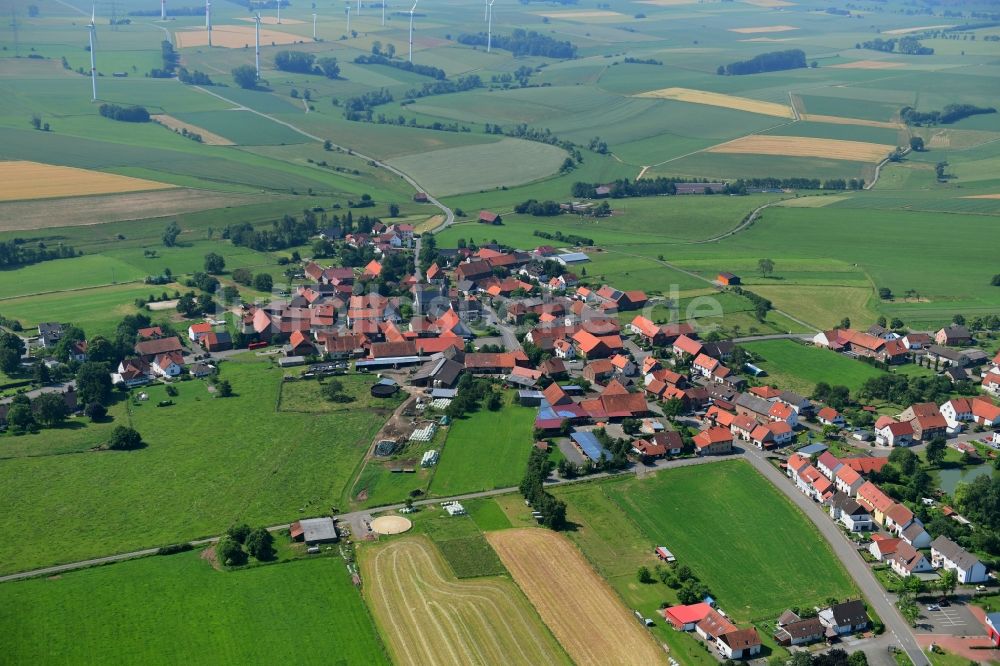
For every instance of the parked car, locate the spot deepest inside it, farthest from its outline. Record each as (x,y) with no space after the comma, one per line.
(933,607)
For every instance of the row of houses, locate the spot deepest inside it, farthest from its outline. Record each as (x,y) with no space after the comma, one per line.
(713,627)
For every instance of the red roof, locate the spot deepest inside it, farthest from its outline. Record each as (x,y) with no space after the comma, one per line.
(487,216)
(715,435)
(435,345)
(682,615)
(827,414)
(866,464)
(687,345)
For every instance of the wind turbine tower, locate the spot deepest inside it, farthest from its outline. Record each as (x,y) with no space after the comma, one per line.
(383,12)
(279,12)
(208,20)
(359,7)
(489,25)
(314,21)
(163,10)
(92,29)
(412,9)
(256,21)
(486,11)
(348,5)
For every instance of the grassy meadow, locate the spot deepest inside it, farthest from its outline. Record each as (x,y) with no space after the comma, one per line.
(181,609)
(208,462)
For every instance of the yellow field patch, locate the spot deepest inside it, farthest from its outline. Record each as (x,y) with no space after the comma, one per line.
(905,31)
(813,202)
(869,64)
(580,608)
(800,146)
(719,99)
(763,28)
(769,3)
(570,15)
(233,37)
(208,138)
(34,180)
(982,196)
(270,20)
(671,3)
(428,617)
(840,120)
(769,39)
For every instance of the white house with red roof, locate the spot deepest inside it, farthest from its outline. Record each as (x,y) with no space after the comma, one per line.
(828,464)
(847,480)
(890,432)
(991,382)
(830,416)
(985,413)
(195,331)
(957,411)
(704,365)
(685,345)
(783,412)
(770,435)
(170,364)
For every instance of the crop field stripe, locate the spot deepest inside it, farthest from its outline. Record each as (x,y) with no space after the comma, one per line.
(22,179)
(797,146)
(208,138)
(763,29)
(430,619)
(839,120)
(720,99)
(590,622)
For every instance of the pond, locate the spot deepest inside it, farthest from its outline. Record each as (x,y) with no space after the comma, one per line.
(948,479)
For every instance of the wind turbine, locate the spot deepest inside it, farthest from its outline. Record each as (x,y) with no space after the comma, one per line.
(359,7)
(314,21)
(383,12)
(486,11)
(412,9)
(163,10)
(92,28)
(348,5)
(489,24)
(279,12)
(256,20)
(208,20)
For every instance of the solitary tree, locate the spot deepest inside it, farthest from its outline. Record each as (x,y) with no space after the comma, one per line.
(935,451)
(224,389)
(245,76)
(916,144)
(124,438)
(230,553)
(215,263)
(766,267)
(50,409)
(329,67)
(93,383)
(948,581)
(263,282)
(95,411)
(171,233)
(260,544)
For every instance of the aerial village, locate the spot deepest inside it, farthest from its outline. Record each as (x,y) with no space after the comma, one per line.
(612,389)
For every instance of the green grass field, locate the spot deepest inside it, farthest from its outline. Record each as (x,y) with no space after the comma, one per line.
(485,450)
(761,533)
(208,463)
(305,396)
(180,609)
(798,367)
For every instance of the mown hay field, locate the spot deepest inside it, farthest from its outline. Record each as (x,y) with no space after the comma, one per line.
(720,99)
(797,146)
(22,179)
(579,607)
(763,29)
(840,120)
(208,138)
(869,64)
(427,617)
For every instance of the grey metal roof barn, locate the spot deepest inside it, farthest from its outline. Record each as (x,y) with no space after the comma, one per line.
(314,530)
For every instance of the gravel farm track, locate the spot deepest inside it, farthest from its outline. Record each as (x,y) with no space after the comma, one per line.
(428,617)
(591,623)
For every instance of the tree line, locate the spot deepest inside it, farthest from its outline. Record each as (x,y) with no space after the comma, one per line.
(16,253)
(906,45)
(287,232)
(306,63)
(774,61)
(170,61)
(532,489)
(405,65)
(571,239)
(951,113)
(523,42)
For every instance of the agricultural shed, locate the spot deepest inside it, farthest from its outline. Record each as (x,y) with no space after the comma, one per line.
(568,258)
(314,530)
(588,443)
(812,450)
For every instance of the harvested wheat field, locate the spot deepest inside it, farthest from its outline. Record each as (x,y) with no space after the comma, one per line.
(594,14)
(233,37)
(208,138)
(906,31)
(770,40)
(982,196)
(673,3)
(579,607)
(427,617)
(720,99)
(869,64)
(813,202)
(763,28)
(98,209)
(840,120)
(800,146)
(34,180)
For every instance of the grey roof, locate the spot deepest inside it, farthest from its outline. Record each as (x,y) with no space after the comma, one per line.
(812,449)
(805,628)
(571,257)
(443,393)
(792,398)
(944,352)
(753,403)
(850,613)
(913,531)
(847,504)
(318,529)
(956,331)
(962,558)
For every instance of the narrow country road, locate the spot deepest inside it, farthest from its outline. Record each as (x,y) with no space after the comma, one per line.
(449,214)
(847,553)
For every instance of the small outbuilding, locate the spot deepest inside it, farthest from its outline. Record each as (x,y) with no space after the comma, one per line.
(728,279)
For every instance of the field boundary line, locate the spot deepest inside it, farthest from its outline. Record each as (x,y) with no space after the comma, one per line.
(67,291)
(449,213)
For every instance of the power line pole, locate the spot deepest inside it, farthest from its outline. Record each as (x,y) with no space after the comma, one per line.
(15,27)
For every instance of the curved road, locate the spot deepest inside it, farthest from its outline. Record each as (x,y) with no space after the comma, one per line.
(449,214)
